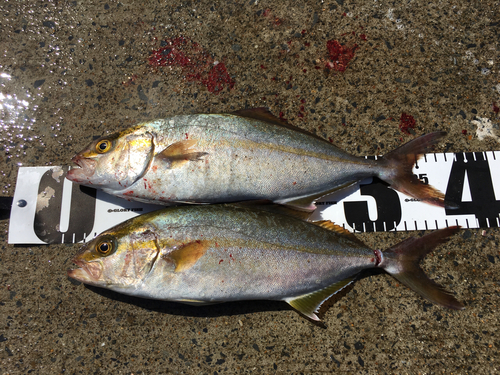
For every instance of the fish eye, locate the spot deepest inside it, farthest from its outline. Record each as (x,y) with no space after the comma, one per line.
(104,247)
(103,146)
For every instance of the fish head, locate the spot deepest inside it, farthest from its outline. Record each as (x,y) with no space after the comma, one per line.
(118,259)
(115,161)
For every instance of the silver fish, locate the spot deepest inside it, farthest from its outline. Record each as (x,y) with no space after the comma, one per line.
(250,155)
(210,254)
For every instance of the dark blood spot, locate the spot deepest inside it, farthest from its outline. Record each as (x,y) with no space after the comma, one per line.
(300,114)
(339,55)
(362,36)
(406,122)
(263,67)
(220,261)
(464,132)
(495,108)
(303,32)
(196,64)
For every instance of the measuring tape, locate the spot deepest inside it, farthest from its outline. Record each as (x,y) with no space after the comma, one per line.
(47,208)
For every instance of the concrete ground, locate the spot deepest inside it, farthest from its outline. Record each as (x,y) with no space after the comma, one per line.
(72,70)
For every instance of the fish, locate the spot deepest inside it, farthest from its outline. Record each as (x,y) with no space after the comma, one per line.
(204,254)
(246,155)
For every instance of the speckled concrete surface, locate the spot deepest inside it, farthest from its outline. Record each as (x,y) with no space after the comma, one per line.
(75,69)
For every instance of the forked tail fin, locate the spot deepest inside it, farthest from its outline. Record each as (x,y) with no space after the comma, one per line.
(402,262)
(399,172)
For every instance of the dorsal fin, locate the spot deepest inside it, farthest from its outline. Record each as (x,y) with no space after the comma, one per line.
(309,304)
(327,224)
(269,206)
(263,114)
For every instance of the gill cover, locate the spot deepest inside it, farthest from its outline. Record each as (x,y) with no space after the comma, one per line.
(121,159)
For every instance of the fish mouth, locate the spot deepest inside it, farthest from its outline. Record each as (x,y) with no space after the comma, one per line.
(83,171)
(88,273)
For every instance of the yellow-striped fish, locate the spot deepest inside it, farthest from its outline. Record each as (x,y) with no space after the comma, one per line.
(220,253)
(249,155)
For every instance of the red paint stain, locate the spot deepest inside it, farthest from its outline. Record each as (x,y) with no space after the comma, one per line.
(196,63)
(406,122)
(339,55)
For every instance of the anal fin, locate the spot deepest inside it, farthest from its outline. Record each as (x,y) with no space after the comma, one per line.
(306,202)
(309,304)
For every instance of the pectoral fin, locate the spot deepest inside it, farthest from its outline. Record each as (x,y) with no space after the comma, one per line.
(179,153)
(309,304)
(187,255)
